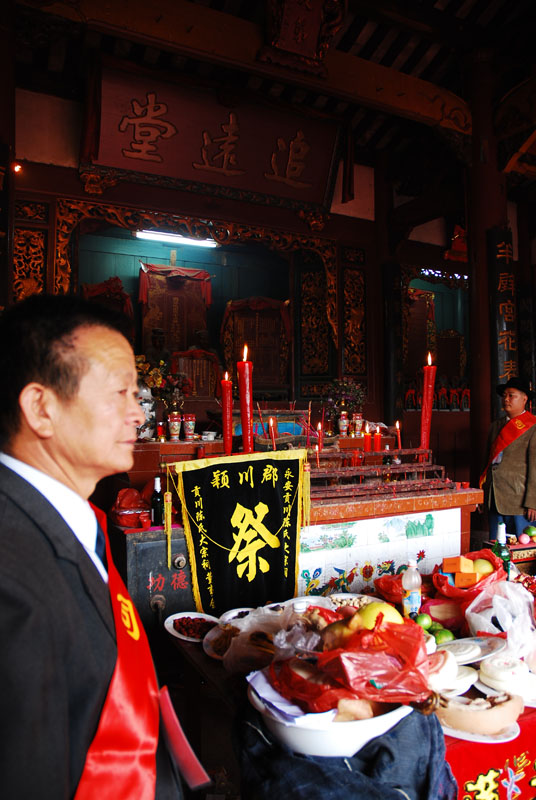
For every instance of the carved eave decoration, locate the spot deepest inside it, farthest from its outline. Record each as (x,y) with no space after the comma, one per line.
(70,213)
(299,34)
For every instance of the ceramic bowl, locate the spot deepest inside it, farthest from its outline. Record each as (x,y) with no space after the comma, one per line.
(337,739)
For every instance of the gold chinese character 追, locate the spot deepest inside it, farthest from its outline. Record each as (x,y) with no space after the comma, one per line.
(291,171)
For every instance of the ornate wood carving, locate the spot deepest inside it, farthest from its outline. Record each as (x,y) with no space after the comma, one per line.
(29,262)
(314,325)
(31,211)
(355,354)
(300,33)
(70,213)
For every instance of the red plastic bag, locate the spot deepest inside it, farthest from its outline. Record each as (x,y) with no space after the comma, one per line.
(130,510)
(388,664)
(317,694)
(442,585)
(390,587)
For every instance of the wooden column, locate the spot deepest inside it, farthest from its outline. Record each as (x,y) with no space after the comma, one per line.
(486,209)
(7,148)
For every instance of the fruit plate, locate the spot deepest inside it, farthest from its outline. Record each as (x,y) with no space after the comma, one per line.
(507,735)
(339,599)
(473,648)
(183,615)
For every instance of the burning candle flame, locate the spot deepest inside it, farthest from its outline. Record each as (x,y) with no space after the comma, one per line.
(270,422)
(377,428)
(245,353)
(397,425)
(429,359)
(226,378)
(366,428)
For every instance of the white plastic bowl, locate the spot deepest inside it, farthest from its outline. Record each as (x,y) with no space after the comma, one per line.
(338,739)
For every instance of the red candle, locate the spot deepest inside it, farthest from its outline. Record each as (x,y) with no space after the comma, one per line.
(377,439)
(366,439)
(320,437)
(427,402)
(398,435)
(245,390)
(227,414)
(317,457)
(272,432)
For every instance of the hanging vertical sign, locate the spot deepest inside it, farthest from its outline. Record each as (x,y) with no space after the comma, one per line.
(500,252)
(242,516)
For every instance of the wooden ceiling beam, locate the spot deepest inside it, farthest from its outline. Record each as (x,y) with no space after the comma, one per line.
(208,35)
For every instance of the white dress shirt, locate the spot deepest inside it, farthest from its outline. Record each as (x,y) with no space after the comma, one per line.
(76,511)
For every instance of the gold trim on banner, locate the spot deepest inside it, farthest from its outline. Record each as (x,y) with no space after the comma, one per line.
(189,466)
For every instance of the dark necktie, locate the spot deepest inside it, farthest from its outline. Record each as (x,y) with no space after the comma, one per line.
(100,545)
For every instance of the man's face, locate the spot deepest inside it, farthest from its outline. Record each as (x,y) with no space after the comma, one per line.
(95,432)
(513,402)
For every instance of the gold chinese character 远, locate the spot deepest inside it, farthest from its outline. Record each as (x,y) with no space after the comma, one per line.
(225,153)
(148,128)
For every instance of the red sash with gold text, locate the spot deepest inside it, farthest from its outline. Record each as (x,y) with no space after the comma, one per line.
(121,760)
(513,429)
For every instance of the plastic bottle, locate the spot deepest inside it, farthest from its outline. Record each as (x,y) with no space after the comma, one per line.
(157,504)
(500,548)
(411,584)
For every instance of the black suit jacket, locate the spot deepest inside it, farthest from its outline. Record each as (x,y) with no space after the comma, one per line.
(58,651)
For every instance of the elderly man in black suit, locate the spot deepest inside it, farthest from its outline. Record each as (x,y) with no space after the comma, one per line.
(79,714)
(509,478)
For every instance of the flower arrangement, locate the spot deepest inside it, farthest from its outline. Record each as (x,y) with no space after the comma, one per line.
(164,384)
(346,394)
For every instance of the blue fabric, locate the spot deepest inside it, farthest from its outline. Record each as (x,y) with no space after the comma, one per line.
(407,761)
(515,523)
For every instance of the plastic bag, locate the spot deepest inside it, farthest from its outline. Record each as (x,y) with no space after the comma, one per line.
(130,510)
(505,608)
(390,587)
(388,664)
(442,585)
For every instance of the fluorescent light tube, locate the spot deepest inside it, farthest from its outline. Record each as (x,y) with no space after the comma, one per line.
(174,238)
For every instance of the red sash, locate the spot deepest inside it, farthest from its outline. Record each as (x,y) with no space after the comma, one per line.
(513,429)
(121,760)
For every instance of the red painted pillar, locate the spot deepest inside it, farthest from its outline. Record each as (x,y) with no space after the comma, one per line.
(486,209)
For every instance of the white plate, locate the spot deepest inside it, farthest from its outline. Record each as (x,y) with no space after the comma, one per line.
(466,677)
(474,648)
(528,695)
(348,596)
(510,733)
(168,624)
(233,613)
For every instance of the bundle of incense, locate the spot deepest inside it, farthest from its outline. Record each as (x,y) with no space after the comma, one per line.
(262,424)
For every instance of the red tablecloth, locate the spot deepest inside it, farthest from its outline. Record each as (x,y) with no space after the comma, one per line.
(500,771)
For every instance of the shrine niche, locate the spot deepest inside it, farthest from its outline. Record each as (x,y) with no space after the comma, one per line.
(263,325)
(174,299)
(435,321)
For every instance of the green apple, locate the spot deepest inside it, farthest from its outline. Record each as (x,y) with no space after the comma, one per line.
(424,620)
(443,636)
(530,529)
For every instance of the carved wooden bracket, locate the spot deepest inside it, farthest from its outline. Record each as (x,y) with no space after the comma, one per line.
(300,33)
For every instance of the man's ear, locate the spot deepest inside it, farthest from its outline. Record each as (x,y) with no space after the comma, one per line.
(37,404)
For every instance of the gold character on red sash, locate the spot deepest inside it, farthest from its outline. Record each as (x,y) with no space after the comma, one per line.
(128,617)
